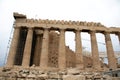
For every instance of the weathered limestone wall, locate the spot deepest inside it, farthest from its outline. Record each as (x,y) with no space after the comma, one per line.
(70,58)
(88,61)
(53,49)
(53,52)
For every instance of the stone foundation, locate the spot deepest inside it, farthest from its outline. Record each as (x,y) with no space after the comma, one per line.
(51,74)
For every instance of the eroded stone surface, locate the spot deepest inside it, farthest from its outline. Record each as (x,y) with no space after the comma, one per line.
(35,74)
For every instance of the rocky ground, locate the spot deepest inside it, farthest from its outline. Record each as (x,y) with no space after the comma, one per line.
(51,74)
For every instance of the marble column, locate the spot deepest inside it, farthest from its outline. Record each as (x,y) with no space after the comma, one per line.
(78,50)
(44,51)
(13,48)
(36,58)
(110,53)
(62,50)
(27,49)
(95,53)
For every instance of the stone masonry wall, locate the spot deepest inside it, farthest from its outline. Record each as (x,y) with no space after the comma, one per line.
(53,52)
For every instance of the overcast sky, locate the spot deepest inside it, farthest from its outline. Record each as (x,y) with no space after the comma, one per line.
(105,11)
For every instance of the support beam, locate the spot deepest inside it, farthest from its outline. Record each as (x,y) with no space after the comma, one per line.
(78,50)
(13,48)
(112,62)
(27,49)
(44,52)
(95,53)
(62,50)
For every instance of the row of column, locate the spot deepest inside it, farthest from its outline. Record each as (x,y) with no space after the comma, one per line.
(28,46)
(79,56)
(112,62)
(62,50)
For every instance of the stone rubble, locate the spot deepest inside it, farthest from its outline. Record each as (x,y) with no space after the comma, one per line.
(34,74)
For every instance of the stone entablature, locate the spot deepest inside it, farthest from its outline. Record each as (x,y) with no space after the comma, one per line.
(61,24)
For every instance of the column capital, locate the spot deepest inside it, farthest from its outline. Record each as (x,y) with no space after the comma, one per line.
(17,27)
(30,28)
(62,30)
(46,29)
(39,32)
(107,36)
(117,33)
(106,32)
(77,30)
(92,31)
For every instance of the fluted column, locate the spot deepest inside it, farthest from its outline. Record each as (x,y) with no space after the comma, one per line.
(78,50)
(13,47)
(95,53)
(44,51)
(110,53)
(27,49)
(62,50)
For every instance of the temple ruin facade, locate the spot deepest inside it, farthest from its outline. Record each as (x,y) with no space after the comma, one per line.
(42,43)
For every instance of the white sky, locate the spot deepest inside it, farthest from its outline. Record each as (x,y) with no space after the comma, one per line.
(105,11)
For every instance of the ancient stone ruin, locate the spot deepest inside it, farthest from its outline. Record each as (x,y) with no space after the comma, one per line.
(38,51)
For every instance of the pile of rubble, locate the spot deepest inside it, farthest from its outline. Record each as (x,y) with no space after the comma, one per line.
(35,74)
